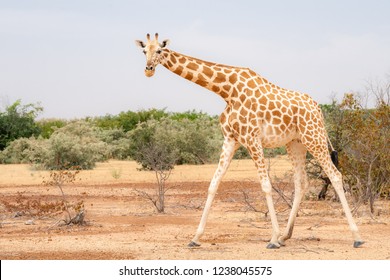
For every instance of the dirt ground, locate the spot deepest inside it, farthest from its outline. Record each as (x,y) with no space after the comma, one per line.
(120,224)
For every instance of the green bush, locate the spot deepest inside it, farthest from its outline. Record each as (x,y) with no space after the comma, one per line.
(25,150)
(129,120)
(75,145)
(118,143)
(18,121)
(153,145)
(48,126)
(199,141)
(361,137)
(67,151)
(195,137)
(196,142)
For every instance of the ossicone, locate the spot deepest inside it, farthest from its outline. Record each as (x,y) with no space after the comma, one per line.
(141,44)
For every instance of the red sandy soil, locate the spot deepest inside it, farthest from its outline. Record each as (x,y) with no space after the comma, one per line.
(120,224)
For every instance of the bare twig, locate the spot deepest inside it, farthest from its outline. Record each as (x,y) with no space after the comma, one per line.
(247,201)
(283,196)
(58,179)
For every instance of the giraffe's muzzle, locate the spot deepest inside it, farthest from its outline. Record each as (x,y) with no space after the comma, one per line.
(149,71)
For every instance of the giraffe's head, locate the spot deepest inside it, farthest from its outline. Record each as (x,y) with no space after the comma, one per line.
(152,50)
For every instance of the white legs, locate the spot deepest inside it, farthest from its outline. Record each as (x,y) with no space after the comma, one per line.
(228,150)
(337,183)
(267,188)
(229,147)
(297,154)
(323,158)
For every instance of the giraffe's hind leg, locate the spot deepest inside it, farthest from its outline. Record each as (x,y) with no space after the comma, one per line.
(337,182)
(297,153)
(321,154)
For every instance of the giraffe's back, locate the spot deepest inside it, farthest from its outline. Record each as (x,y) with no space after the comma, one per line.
(273,114)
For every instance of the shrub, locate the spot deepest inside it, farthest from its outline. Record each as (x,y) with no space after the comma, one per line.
(152,140)
(199,141)
(18,121)
(196,142)
(76,144)
(360,135)
(155,149)
(75,210)
(25,150)
(364,158)
(129,120)
(48,126)
(118,143)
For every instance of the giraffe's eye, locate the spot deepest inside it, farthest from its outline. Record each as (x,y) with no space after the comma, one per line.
(158,51)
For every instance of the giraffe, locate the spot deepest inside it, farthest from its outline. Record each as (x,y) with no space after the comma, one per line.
(258,114)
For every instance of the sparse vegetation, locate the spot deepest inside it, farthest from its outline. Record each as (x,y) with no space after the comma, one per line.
(196,136)
(33,207)
(76,144)
(75,210)
(41,206)
(159,140)
(18,121)
(361,136)
(155,150)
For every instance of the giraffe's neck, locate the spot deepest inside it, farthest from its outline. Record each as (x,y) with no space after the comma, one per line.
(215,77)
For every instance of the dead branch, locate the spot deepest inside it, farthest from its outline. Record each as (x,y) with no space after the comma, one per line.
(283,196)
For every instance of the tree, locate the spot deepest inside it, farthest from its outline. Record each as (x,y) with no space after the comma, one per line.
(48,126)
(199,141)
(129,120)
(59,179)
(18,121)
(360,135)
(154,148)
(118,143)
(365,157)
(160,159)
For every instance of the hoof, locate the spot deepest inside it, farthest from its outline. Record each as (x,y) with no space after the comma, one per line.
(273,246)
(282,242)
(193,244)
(357,244)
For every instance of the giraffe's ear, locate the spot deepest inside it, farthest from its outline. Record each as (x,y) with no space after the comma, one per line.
(164,43)
(140,44)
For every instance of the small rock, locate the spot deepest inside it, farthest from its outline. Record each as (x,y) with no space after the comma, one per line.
(17,214)
(29,222)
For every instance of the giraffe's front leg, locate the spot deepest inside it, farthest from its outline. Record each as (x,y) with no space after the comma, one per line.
(256,151)
(267,188)
(229,147)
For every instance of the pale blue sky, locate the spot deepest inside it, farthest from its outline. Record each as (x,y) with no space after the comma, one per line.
(78,58)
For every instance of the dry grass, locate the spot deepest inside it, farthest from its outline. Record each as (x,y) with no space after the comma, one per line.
(114,171)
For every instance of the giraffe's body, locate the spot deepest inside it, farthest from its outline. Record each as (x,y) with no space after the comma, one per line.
(255,107)
(258,115)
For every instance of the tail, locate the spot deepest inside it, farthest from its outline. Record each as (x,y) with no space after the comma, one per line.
(333,154)
(335,158)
